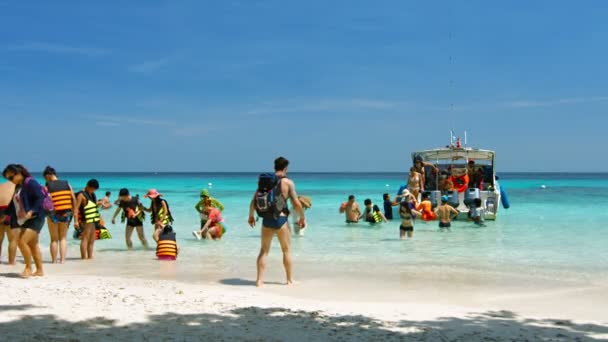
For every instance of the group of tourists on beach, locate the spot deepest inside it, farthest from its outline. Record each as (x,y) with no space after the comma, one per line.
(28,205)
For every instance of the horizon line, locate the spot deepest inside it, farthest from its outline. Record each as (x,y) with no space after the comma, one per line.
(314,172)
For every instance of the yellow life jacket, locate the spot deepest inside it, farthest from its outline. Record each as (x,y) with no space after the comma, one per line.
(164,218)
(377,217)
(90,212)
(103,234)
(61,195)
(159,214)
(167,246)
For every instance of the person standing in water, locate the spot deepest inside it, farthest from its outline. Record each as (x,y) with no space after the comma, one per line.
(161,214)
(408,215)
(27,215)
(134,215)
(58,222)
(270,202)
(445,213)
(372,213)
(88,218)
(351,210)
(388,206)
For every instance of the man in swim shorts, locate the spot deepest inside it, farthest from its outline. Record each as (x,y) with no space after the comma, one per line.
(445,213)
(278,226)
(351,210)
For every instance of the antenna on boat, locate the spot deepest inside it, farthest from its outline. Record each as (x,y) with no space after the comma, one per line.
(465,138)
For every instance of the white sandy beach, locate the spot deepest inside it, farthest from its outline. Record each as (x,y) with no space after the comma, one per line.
(67,306)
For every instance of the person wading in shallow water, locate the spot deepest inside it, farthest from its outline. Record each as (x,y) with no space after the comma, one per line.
(270,203)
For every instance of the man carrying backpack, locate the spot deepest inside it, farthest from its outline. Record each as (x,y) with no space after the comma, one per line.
(270,203)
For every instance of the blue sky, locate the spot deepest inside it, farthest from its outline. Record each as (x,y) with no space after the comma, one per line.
(332,85)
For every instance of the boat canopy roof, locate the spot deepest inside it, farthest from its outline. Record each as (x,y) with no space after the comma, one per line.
(455,154)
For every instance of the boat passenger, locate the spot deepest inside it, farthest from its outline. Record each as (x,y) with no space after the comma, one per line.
(428,171)
(476,175)
(415,182)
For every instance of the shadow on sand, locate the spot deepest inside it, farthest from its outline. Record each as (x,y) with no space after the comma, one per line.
(276,324)
(10,275)
(246,282)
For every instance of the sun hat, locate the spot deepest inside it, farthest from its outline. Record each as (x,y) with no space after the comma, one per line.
(405,193)
(153,193)
(306,202)
(205,193)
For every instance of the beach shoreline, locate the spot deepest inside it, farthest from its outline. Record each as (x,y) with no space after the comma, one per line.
(66,305)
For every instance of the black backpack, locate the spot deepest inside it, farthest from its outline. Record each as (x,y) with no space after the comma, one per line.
(269,202)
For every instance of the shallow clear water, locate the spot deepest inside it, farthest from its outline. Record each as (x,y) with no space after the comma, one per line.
(559,232)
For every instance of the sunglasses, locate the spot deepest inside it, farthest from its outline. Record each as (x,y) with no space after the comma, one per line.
(10,178)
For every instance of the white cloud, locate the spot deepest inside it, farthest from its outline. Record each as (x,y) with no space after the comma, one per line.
(149,66)
(58,49)
(555,102)
(107,124)
(324,105)
(191,131)
(104,120)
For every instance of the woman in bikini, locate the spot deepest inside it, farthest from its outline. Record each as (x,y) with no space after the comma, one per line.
(415,183)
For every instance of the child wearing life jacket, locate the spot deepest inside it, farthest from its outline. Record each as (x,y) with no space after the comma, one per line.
(372,213)
(166,248)
(214,228)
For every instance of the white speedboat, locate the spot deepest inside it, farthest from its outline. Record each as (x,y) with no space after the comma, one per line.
(463,174)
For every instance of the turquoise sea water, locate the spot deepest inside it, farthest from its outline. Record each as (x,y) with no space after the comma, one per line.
(559,231)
